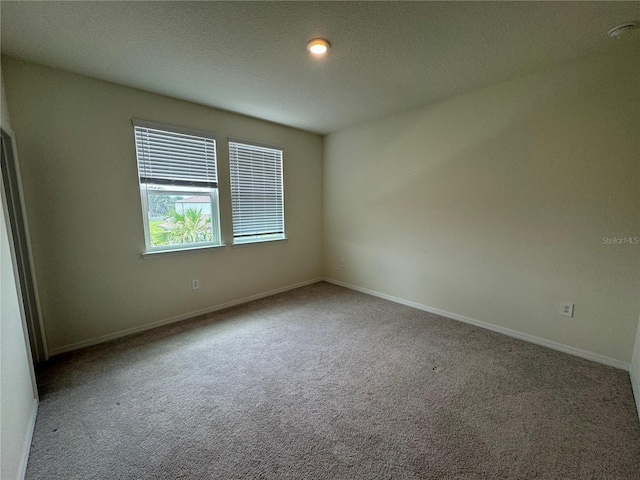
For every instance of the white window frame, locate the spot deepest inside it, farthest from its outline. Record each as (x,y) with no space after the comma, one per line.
(242,237)
(211,192)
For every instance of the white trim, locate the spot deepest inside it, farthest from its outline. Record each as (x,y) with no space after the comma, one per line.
(172,128)
(180,251)
(26,445)
(253,143)
(633,375)
(258,242)
(27,234)
(611,362)
(16,279)
(178,318)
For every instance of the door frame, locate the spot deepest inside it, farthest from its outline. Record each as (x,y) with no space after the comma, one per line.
(20,244)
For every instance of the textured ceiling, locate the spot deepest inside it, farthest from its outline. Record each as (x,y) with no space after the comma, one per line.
(250,57)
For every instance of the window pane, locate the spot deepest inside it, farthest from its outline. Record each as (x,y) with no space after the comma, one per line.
(178,185)
(181,218)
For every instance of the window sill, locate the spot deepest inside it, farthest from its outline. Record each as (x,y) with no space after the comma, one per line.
(257,242)
(180,251)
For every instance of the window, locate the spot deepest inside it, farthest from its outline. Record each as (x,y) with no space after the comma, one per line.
(178,187)
(257,198)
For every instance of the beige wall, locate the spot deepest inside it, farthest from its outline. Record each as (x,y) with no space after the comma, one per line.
(17,394)
(77,155)
(493,205)
(490,205)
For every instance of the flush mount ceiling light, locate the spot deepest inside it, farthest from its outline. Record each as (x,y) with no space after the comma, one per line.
(318,46)
(617,32)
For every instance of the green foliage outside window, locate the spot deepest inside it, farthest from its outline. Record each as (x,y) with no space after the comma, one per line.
(160,206)
(192,226)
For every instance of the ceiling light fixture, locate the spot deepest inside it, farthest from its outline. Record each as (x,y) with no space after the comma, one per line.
(318,46)
(617,32)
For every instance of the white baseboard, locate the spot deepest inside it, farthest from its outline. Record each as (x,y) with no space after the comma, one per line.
(178,318)
(633,374)
(495,328)
(26,446)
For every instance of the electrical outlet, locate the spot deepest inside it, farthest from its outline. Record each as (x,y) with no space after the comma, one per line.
(195,284)
(566,309)
(342,263)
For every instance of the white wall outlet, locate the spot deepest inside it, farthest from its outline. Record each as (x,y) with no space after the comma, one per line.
(195,284)
(566,309)
(342,263)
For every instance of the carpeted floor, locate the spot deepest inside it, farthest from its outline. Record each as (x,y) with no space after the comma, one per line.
(326,383)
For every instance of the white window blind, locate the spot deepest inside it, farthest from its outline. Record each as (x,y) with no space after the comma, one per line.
(175,158)
(257,197)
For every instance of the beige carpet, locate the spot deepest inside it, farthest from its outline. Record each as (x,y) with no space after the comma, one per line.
(326,383)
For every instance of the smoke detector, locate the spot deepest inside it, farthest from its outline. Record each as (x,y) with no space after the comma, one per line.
(617,32)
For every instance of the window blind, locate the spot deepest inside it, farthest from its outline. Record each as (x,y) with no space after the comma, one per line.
(175,158)
(257,198)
